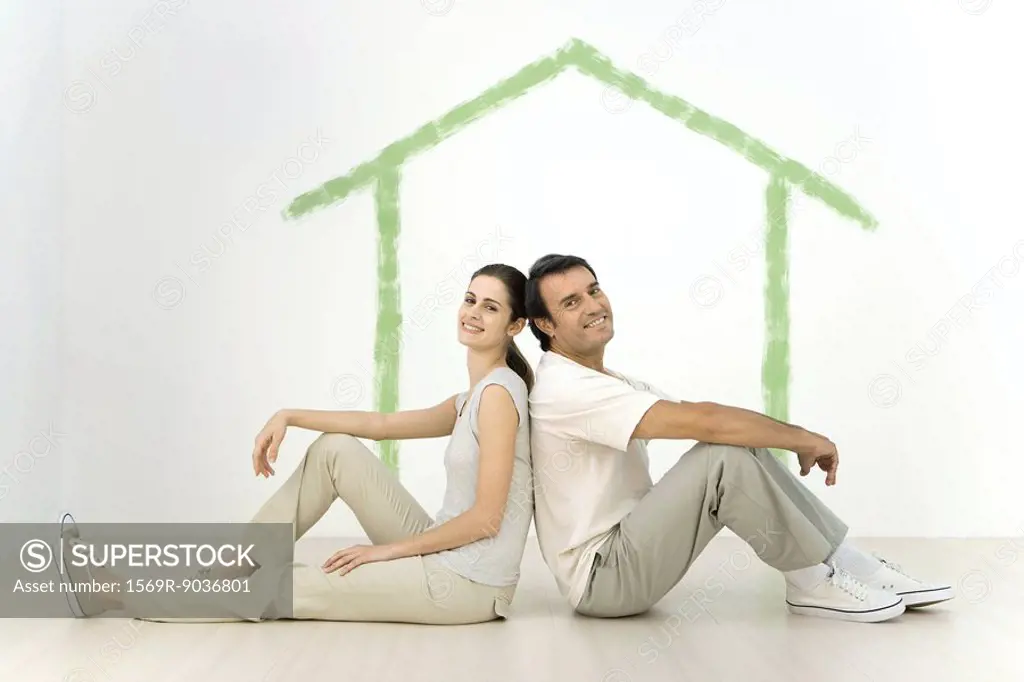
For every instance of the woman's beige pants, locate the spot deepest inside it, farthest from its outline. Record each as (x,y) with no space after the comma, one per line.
(409,590)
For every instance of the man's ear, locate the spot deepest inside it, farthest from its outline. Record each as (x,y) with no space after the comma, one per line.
(545,325)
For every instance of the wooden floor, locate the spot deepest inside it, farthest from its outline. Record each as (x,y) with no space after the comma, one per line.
(725,621)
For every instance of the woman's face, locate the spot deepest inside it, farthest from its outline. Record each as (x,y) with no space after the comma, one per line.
(485,315)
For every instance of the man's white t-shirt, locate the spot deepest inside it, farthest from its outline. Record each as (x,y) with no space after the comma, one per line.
(588,473)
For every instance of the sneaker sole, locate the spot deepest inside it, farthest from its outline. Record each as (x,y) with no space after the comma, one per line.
(869,616)
(921,598)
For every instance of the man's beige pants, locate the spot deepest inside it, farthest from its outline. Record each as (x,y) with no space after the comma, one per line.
(408,590)
(747,490)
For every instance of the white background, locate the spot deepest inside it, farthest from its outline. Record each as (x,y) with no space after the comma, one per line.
(133,131)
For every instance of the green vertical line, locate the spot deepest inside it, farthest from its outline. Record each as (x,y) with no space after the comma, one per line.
(775,362)
(387,345)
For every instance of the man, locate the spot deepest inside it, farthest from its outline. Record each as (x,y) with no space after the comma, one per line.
(617,543)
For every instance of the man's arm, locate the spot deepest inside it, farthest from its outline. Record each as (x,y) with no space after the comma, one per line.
(714,423)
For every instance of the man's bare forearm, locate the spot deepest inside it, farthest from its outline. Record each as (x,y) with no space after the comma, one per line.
(739,426)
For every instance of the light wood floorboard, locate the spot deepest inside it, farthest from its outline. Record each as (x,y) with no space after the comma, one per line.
(725,621)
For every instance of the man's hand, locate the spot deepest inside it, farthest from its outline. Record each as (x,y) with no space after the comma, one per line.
(345,560)
(821,451)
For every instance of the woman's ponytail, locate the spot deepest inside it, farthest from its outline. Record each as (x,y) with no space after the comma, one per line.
(516,361)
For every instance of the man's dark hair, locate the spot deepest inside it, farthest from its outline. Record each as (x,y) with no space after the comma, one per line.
(551,264)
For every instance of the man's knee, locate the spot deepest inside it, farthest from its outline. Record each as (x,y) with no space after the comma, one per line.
(722,452)
(722,460)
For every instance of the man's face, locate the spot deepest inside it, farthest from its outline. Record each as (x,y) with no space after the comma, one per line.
(581,316)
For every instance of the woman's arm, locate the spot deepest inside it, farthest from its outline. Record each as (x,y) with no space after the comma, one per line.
(497,424)
(431,422)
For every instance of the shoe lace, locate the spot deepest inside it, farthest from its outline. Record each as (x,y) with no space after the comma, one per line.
(847,583)
(895,567)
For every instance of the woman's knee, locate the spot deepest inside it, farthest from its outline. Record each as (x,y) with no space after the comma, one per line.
(332,449)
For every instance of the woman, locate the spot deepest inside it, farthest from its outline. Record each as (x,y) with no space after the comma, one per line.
(461,567)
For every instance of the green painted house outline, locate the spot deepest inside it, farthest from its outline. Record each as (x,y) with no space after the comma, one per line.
(384,173)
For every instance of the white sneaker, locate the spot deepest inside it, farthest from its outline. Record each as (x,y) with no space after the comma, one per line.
(893,579)
(843,597)
(81,603)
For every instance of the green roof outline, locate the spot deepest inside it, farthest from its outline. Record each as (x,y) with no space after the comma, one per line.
(383,173)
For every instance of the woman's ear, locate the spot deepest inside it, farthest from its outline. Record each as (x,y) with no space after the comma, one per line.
(517,326)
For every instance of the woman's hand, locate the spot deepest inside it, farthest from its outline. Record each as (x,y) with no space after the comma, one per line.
(267,443)
(346,559)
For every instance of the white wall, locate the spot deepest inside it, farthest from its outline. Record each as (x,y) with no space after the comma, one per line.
(33,436)
(186,115)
